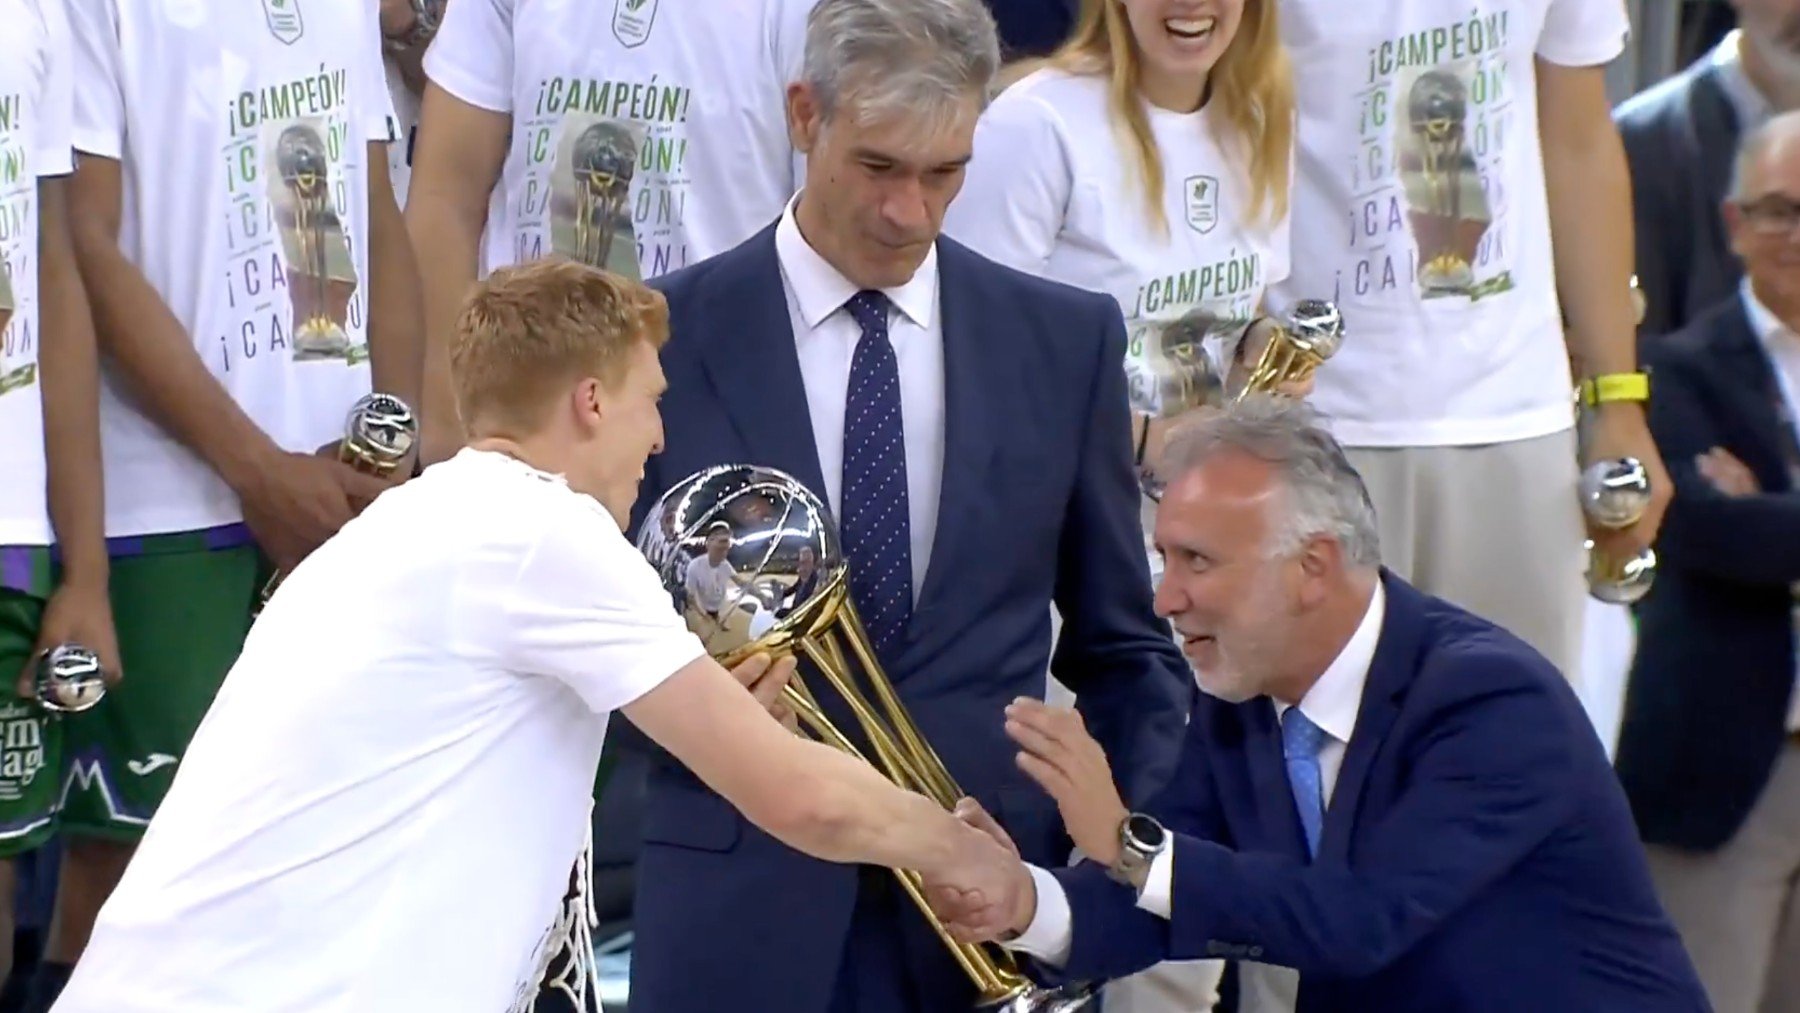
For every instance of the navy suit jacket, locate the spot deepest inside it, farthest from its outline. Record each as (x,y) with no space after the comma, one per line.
(1680,138)
(1707,703)
(1477,853)
(1039,504)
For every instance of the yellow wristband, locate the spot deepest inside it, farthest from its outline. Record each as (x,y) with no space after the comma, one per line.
(1615,387)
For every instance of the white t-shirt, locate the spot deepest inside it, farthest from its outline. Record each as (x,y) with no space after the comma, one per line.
(225,113)
(381,809)
(1432,232)
(708,583)
(35,95)
(1052,192)
(406,130)
(696,90)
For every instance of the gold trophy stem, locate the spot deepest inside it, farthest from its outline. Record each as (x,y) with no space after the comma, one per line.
(901,751)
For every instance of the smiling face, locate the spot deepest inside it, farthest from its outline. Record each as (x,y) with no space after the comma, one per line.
(1764,219)
(1232,601)
(877,187)
(1179,42)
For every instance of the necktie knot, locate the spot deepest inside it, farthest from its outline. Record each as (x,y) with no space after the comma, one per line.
(1300,738)
(869,308)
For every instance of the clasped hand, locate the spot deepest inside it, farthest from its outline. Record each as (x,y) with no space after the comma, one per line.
(1058,753)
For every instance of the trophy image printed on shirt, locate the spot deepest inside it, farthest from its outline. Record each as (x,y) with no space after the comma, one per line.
(8,303)
(1447,208)
(321,278)
(591,205)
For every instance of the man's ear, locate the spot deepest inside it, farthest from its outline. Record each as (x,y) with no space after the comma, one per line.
(803,117)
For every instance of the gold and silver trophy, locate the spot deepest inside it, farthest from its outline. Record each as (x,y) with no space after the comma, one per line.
(320,280)
(1448,209)
(1179,375)
(1614,494)
(68,679)
(839,692)
(379,433)
(603,162)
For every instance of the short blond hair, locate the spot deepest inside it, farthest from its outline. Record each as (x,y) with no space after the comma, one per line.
(527,330)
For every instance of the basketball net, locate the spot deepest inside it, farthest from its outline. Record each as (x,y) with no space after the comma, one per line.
(569,942)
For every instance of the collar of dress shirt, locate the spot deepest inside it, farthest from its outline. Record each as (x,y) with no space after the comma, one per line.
(1334,700)
(1749,104)
(821,290)
(1767,327)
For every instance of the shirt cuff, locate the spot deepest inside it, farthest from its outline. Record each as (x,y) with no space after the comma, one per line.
(1051,933)
(1158,885)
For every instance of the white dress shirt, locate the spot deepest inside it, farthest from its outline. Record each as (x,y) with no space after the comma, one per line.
(825,336)
(1783,348)
(1332,704)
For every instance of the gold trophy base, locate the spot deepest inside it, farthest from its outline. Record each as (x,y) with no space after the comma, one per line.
(323,307)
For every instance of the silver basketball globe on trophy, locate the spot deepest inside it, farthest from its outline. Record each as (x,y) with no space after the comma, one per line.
(752,561)
(1614,494)
(69,679)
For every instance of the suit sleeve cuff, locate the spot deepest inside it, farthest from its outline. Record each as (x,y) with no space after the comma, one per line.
(1158,885)
(1051,933)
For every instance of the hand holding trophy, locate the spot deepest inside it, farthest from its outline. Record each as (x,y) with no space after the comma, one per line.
(379,433)
(1270,356)
(781,547)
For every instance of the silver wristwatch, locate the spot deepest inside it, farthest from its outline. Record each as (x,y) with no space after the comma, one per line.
(1141,839)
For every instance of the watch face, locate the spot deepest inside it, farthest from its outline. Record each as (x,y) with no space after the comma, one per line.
(1146,831)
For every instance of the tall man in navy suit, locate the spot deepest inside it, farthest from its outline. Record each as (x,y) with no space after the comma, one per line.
(968,427)
(1394,797)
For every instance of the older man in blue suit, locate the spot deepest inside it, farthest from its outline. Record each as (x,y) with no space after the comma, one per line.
(1396,798)
(968,426)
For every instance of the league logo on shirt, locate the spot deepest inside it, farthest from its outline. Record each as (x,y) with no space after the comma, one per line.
(632,20)
(284,20)
(591,212)
(321,276)
(1202,203)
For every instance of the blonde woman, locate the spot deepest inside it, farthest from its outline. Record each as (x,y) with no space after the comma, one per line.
(1149,158)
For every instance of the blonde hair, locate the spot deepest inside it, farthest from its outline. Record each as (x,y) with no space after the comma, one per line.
(527,330)
(1251,88)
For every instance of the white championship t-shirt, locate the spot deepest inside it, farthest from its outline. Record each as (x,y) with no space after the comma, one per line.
(1052,191)
(687,100)
(382,808)
(34,143)
(1421,210)
(243,128)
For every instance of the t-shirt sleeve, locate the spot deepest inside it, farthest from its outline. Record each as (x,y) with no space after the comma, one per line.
(55,154)
(99,120)
(472,55)
(1015,194)
(376,108)
(1584,33)
(587,609)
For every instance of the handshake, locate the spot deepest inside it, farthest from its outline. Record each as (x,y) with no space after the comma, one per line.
(987,892)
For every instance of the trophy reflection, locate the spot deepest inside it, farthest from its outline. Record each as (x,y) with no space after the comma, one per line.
(320,277)
(603,161)
(1180,372)
(68,679)
(753,563)
(1448,209)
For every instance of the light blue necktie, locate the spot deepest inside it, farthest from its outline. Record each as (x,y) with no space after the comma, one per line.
(1301,741)
(876,527)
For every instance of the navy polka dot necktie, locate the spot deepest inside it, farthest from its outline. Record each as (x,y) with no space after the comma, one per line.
(876,525)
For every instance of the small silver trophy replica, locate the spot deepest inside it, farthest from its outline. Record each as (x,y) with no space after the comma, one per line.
(69,679)
(378,434)
(1614,494)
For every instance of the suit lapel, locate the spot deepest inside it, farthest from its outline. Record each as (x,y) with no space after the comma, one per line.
(973,378)
(1745,366)
(754,365)
(1390,673)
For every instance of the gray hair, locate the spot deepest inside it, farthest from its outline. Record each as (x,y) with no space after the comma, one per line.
(926,57)
(1324,494)
(1754,145)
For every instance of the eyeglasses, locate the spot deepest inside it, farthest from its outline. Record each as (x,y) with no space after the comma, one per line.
(1771,214)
